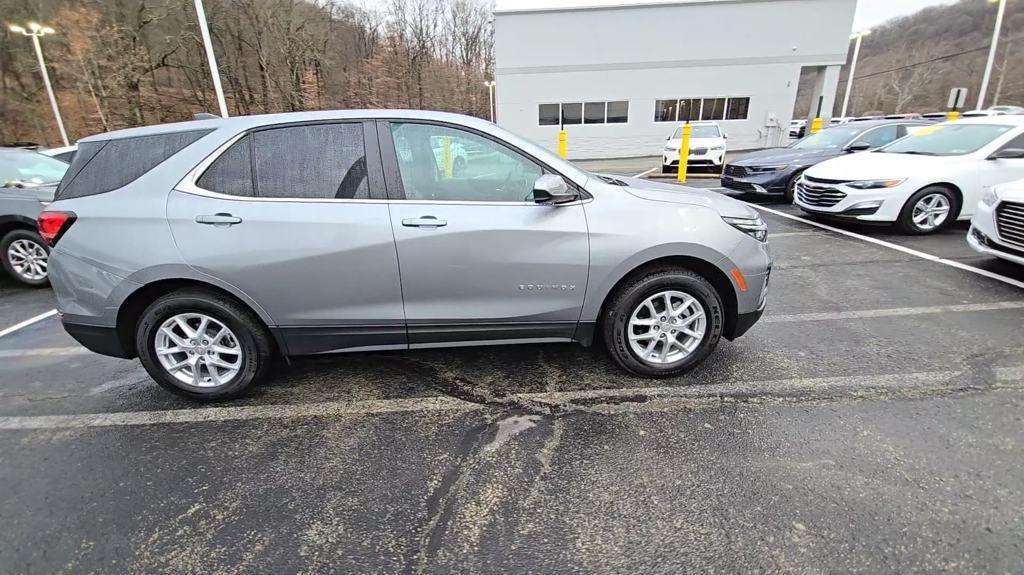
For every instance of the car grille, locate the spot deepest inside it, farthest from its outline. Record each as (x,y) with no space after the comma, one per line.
(698,151)
(735,171)
(817,194)
(1010,222)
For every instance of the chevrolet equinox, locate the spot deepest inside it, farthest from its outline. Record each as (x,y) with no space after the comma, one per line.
(206,248)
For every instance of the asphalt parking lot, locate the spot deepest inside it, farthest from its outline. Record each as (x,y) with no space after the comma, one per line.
(871,422)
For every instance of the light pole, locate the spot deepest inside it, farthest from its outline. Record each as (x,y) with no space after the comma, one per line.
(991,52)
(35,31)
(853,68)
(204,30)
(490,96)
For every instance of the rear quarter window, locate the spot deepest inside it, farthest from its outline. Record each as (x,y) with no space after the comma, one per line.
(101,167)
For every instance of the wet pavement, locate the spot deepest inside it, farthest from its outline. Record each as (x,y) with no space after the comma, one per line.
(870,423)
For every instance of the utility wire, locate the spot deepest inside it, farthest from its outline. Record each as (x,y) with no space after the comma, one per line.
(946,57)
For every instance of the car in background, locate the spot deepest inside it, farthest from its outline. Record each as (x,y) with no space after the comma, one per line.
(707,147)
(936,116)
(982,113)
(870,118)
(64,154)
(840,120)
(923,182)
(797,128)
(27,184)
(1008,109)
(228,241)
(775,171)
(997,228)
(911,116)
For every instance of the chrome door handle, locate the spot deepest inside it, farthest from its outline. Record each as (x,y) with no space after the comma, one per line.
(220,219)
(424,222)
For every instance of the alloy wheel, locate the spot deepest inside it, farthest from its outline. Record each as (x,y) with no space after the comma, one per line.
(28,259)
(666,327)
(198,350)
(930,211)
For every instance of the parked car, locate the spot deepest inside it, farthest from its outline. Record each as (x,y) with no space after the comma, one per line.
(921,183)
(27,184)
(707,147)
(839,120)
(982,113)
(305,233)
(935,116)
(797,128)
(64,154)
(869,118)
(911,116)
(775,171)
(997,228)
(1008,109)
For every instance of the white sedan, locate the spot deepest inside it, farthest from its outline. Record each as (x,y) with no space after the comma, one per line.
(997,228)
(922,182)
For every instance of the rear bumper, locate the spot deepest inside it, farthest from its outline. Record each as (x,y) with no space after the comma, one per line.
(98,339)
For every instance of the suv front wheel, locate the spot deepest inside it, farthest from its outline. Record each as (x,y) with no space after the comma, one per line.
(664,323)
(202,345)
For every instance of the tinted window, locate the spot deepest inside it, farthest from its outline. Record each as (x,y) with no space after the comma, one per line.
(572,113)
(714,109)
(1017,142)
(665,110)
(100,167)
(548,114)
(231,173)
(318,161)
(618,112)
(878,137)
(440,163)
(737,109)
(593,113)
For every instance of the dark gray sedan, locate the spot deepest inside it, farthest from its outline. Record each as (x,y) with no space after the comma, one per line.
(27,184)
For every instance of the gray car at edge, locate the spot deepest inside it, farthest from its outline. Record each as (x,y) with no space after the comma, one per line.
(208,248)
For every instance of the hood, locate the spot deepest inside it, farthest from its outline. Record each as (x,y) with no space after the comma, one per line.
(779,156)
(697,142)
(39,193)
(877,166)
(675,194)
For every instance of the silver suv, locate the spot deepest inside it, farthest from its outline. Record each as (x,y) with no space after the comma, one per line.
(206,248)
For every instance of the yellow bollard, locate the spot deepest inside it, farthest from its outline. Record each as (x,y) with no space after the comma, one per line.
(952,115)
(562,145)
(816,125)
(447,156)
(684,153)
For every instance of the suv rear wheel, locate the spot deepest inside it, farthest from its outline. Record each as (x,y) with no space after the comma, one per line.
(664,323)
(25,257)
(202,345)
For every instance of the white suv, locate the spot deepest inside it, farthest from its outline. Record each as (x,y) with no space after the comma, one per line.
(707,147)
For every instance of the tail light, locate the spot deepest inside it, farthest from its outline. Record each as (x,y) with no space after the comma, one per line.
(52,225)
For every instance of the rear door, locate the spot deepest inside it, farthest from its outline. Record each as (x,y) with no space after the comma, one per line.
(480,260)
(295,217)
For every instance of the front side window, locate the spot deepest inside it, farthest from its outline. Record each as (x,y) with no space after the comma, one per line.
(878,137)
(321,161)
(948,139)
(446,164)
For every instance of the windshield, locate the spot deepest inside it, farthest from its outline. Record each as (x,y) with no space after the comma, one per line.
(698,132)
(947,139)
(29,168)
(830,139)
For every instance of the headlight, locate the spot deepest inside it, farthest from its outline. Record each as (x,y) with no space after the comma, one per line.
(753,227)
(875,184)
(991,197)
(763,169)
(671,149)
(718,148)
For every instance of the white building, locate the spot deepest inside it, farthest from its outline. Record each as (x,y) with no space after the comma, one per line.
(622,76)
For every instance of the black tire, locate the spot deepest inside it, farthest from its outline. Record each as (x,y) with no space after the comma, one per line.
(906,224)
(666,169)
(790,193)
(617,312)
(27,235)
(253,339)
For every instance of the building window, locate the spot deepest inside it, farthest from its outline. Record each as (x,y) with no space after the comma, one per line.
(593,113)
(548,114)
(583,113)
(694,109)
(618,112)
(737,109)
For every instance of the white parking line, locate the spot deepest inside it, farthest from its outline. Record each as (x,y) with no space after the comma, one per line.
(44,351)
(893,312)
(28,322)
(642,174)
(892,246)
(813,388)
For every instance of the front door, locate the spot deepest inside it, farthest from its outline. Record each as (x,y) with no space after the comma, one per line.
(296,218)
(479,260)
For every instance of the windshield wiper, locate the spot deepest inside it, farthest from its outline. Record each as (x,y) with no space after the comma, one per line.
(916,153)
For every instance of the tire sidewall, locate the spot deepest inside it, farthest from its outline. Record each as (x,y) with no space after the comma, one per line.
(619,319)
(168,306)
(9,239)
(790,193)
(906,221)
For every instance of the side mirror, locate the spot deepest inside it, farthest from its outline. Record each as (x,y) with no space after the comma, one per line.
(858,147)
(725,136)
(1007,154)
(552,189)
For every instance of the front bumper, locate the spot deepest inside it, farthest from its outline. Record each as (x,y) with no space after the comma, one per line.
(769,183)
(984,238)
(846,203)
(709,158)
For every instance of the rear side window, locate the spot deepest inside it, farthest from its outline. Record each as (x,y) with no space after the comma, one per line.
(231,173)
(323,161)
(100,167)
